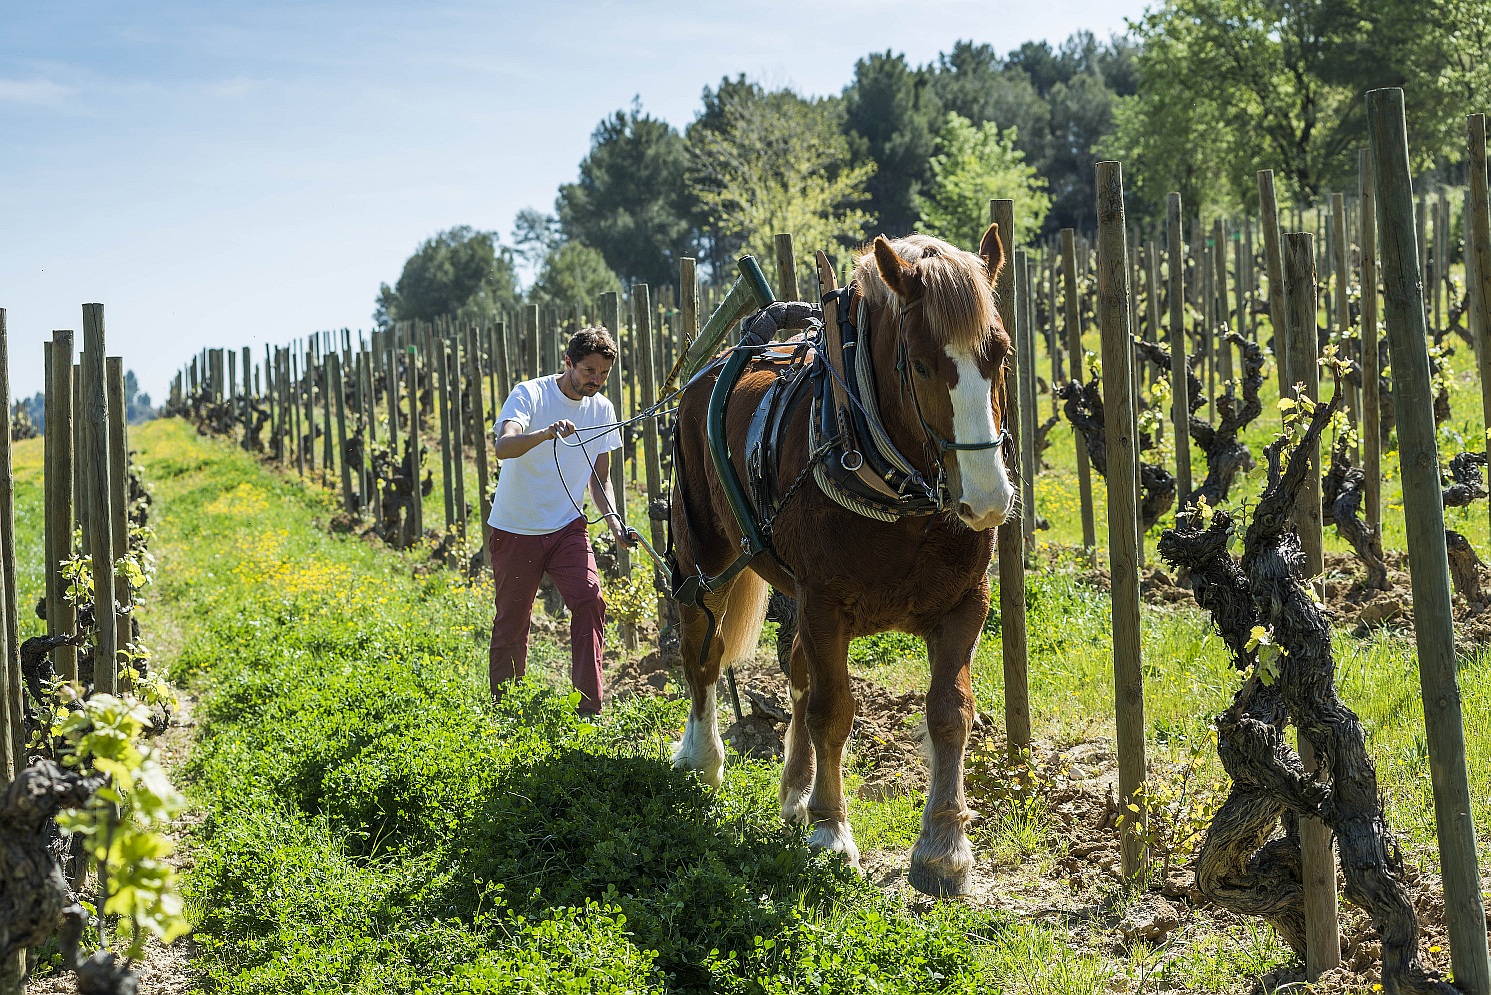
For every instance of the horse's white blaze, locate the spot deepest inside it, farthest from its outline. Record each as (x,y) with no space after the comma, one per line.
(701,748)
(987,491)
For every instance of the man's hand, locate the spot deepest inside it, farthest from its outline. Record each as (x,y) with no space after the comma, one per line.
(619,531)
(560,429)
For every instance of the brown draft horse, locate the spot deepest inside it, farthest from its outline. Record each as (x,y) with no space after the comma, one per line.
(856,576)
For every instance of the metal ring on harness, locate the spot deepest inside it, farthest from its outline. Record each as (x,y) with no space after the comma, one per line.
(854,463)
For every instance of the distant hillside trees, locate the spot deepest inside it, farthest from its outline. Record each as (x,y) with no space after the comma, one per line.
(459,271)
(974,164)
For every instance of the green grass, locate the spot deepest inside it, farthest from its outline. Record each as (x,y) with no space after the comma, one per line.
(373,823)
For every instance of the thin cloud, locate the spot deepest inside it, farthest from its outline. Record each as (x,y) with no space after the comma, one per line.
(35,93)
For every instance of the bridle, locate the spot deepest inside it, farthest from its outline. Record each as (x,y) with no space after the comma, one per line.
(936,445)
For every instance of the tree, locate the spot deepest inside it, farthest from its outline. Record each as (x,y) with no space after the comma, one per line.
(460,271)
(1081,116)
(973,165)
(536,235)
(892,110)
(1285,80)
(573,273)
(630,201)
(779,163)
(972,82)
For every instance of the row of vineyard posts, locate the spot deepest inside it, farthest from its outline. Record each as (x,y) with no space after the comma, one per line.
(94,510)
(1180,310)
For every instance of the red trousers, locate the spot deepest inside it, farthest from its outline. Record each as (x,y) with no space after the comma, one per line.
(519,562)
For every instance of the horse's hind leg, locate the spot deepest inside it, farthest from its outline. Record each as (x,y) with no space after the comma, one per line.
(739,609)
(942,860)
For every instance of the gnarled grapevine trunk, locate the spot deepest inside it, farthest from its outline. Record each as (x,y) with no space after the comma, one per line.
(1342,492)
(1246,863)
(1083,405)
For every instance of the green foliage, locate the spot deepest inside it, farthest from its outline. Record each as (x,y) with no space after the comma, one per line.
(573,273)
(885,649)
(892,111)
(372,822)
(775,162)
(973,165)
(629,201)
(458,271)
(123,821)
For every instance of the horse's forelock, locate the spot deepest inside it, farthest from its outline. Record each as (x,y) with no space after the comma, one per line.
(957,301)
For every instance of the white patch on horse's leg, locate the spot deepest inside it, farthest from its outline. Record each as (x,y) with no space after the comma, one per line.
(831,830)
(701,748)
(942,859)
(987,490)
(838,838)
(794,797)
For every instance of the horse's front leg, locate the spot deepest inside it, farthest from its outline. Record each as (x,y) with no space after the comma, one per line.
(942,860)
(797,747)
(829,717)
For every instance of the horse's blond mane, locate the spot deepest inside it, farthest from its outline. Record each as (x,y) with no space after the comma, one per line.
(957,299)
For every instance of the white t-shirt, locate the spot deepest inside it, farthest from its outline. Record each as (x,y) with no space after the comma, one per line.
(530,489)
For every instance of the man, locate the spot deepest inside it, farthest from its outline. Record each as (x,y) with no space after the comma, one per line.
(555,435)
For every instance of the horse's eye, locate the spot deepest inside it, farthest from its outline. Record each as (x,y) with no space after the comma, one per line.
(920,368)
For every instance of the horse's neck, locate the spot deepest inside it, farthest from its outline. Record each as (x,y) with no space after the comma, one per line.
(897,412)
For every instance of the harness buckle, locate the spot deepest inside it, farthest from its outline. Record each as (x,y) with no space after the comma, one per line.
(852,460)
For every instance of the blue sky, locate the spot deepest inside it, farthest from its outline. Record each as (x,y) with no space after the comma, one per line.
(238,173)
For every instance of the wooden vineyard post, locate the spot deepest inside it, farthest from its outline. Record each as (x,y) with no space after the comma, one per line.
(391,374)
(1371,373)
(1268,209)
(1024,357)
(1123,525)
(328,444)
(1423,508)
(1008,542)
(610,312)
(452,371)
(479,443)
(1222,347)
(438,368)
(1317,853)
(119,502)
(416,529)
(501,369)
(98,492)
(530,334)
(786,268)
(308,380)
(1073,321)
(60,513)
(1478,261)
(642,314)
(1180,400)
(12,715)
(334,385)
(1342,309)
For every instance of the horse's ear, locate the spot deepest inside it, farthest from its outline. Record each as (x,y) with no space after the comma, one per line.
(993,252)
(899,275)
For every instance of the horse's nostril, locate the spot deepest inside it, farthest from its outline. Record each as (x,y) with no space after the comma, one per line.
(964,510)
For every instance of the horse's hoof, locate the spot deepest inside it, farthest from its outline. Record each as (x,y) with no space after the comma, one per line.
(795,808)
(925,879)
(712,774)
(836,837)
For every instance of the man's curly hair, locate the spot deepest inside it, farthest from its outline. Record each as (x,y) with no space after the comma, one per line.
(589,341)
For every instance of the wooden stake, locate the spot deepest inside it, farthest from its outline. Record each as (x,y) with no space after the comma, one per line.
(1342,310)
(479,443)
(786,268)
(1273,260)
(1078,372)
(452,372)
(610,312)
(119,502)
(1371,372)
(439,366)
(1123,527)
(1322,910)
(1024,358)
(60,512)
(642,306)
(415,529)
(1478,260)
(99,493)
(12,712)
(334,387)
(1423,508)
(1008,540)
(1180,413)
